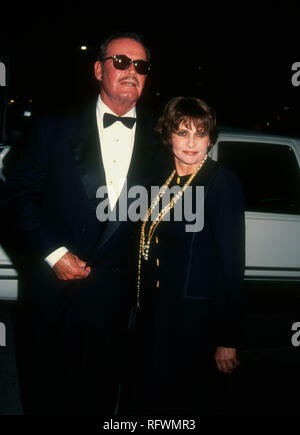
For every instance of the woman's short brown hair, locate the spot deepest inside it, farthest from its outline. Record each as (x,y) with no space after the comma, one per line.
(188,110)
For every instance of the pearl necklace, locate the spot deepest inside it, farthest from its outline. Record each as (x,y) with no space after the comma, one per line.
(145,241)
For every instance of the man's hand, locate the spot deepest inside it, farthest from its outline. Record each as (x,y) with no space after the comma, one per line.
(226,359)
(69,266)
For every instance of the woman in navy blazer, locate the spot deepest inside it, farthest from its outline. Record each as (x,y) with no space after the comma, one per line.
(189,283)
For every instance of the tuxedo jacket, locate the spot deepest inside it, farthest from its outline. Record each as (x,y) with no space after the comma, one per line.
(53,189)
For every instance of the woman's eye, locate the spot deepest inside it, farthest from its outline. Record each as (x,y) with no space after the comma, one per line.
(181,133)
(201,133)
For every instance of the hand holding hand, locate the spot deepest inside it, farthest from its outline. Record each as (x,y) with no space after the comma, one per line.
(69,266)
(226,359)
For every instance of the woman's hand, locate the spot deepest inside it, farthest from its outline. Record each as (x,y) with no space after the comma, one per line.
(226,359)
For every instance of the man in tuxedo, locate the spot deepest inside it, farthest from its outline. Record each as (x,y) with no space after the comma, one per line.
(77,285)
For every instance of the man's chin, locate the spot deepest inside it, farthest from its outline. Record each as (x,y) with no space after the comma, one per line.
(131,96)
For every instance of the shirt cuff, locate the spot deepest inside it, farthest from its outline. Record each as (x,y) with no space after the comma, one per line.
(56,255)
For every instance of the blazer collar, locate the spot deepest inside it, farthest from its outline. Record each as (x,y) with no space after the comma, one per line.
(85,146)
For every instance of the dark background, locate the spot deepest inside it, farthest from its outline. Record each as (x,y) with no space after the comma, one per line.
(235,55)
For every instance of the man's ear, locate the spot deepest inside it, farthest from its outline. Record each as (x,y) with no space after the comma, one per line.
(98,70)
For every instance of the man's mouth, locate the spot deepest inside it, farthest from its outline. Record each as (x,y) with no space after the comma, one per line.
(129,82)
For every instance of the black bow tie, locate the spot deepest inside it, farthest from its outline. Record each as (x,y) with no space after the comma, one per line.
(109,119)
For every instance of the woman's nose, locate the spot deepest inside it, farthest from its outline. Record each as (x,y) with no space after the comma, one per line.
(191,141)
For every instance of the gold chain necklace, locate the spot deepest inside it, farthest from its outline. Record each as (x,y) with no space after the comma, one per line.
(144,245)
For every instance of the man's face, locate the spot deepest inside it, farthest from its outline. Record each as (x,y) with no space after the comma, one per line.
(121,88)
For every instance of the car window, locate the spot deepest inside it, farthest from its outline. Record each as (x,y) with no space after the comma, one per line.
(269,174)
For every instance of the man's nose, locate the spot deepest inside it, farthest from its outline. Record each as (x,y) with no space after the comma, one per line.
(131,69)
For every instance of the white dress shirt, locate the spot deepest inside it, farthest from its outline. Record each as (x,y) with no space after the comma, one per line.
(116,143)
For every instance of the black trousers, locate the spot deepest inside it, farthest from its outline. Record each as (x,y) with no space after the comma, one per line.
(72,367)
(67,374)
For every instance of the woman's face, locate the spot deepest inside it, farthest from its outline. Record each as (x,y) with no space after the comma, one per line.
(189,147)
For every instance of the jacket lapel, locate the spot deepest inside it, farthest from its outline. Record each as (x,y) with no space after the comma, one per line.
(85,146)
(139,172)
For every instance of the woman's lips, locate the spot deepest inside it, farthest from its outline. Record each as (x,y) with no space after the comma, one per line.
(190,153)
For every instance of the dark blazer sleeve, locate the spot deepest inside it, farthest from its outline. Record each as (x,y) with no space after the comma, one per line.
(227,222)
(25,184)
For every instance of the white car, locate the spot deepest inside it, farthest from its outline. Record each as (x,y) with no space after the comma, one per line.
(8,274)
(269,169)
(4,149)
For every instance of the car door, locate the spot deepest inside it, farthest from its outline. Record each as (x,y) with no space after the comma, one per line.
(268,168)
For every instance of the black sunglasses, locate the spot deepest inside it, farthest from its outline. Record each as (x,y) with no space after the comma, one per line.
(123,62)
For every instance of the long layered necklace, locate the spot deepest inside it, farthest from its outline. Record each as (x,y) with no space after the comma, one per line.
(145,239)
